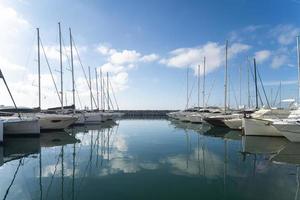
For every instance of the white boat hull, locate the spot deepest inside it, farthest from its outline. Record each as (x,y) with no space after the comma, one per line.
(21,127)
(290,130)
(236,124)
(259,127)
(93,118)
(80,120)
(55,122)
(195,118)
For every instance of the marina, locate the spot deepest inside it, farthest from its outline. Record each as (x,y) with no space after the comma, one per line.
(133,158)
(149,100)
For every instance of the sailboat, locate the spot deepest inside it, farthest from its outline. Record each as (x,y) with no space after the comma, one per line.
(290,127)
(13,125)
(227,118)
(51,121)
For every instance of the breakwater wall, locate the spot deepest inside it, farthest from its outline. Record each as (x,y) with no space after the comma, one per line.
(145,113)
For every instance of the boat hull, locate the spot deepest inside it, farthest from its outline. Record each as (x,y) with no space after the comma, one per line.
(55,122)
(259,127)
(196,119)
(27,127)
(93,118)
(235,124)
(216,121)
(290,131)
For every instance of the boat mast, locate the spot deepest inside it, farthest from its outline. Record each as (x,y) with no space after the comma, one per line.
(90,82)
(298,57)
(248,82)
(187,87)
(72,68)
(198,86)
(39,67)
(101,90)
(203,91)
(97,89)
(225,79)
(280,94)
(61,69)
(107,86)
(255,80)
(240,69)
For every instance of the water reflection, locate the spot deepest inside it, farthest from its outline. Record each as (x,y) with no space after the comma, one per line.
(146,159)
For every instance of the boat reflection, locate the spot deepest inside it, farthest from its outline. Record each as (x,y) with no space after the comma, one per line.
(262,145)
(19,147)
(200,128)
(290,154)
(233,135)
(57,139)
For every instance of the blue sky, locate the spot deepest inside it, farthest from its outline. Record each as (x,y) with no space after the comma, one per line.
(146,46)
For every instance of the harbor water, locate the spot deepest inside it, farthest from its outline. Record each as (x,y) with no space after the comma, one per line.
(149,159)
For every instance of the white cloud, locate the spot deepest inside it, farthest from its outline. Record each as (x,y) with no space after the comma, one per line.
(214,53)
(279,60)
(150,58)
(252,28)
(6,65)
(125,57)
(283,82)
(262,55)
(111,68)
(285,34)
(119,81)
(119,62)
(237,48)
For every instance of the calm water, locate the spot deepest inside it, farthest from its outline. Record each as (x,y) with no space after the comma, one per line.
(149,159)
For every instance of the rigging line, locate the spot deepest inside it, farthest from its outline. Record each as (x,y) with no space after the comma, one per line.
(262,85)
(277,93)
(85,76)
(79,100)
(208,96)
(50,71)
(112,105)
(234,94)
(66,53)
(114,95)
(55,168)
(29,54)
(13,180)
(190,94)
(252,73)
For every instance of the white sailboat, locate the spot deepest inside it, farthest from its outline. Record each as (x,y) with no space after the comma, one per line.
(18,125)
(233,120)
(51,121)
(290,127)
(260,122)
